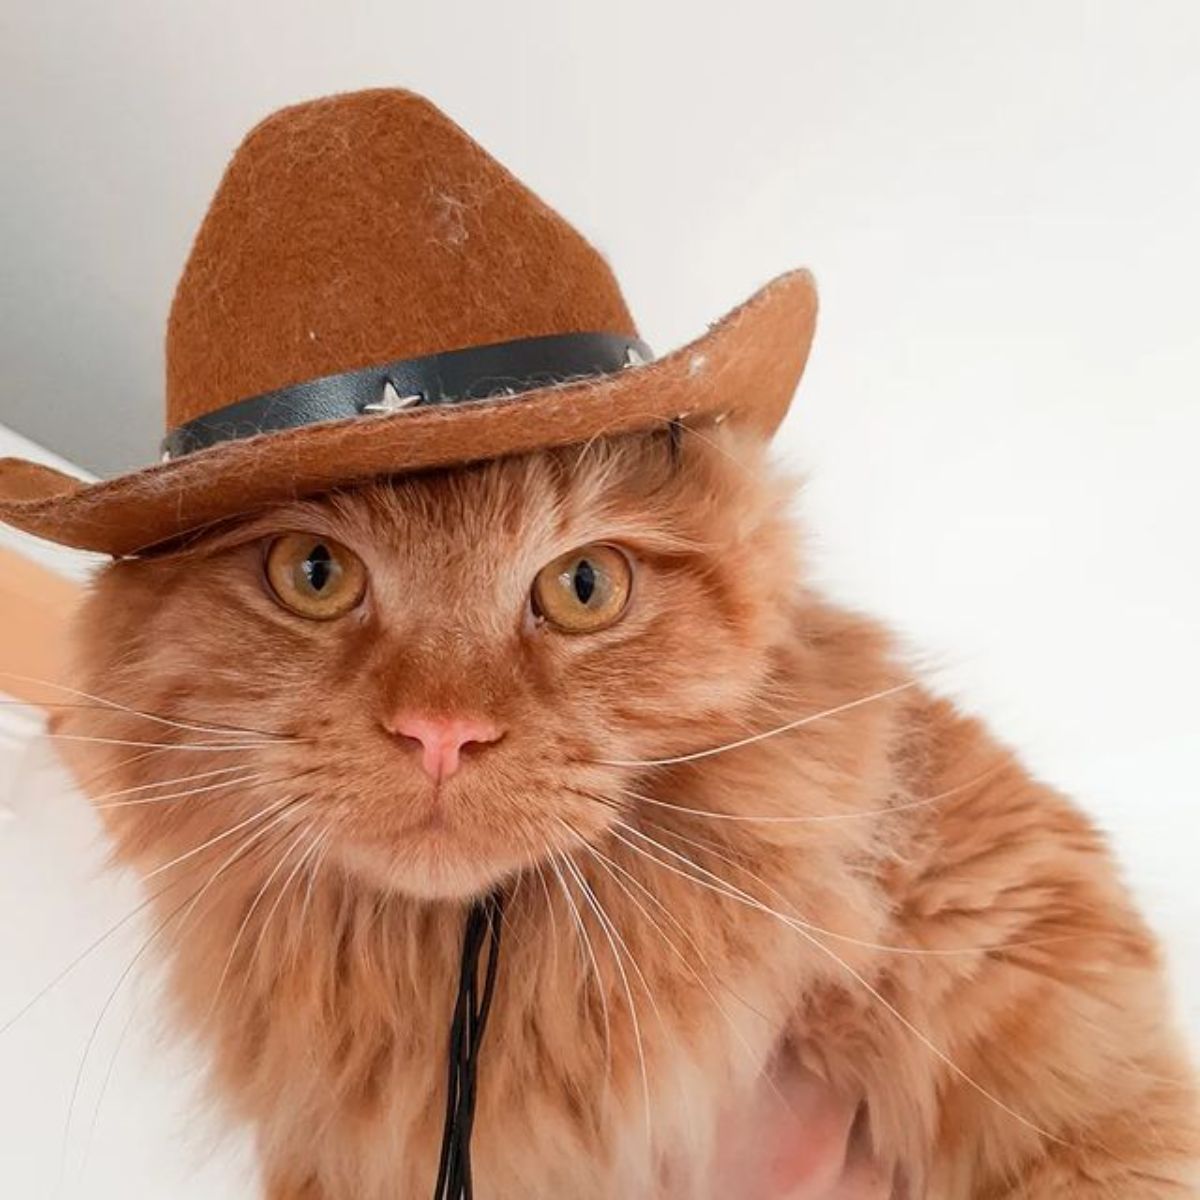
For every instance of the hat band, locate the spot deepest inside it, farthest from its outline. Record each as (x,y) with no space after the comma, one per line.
(454,377)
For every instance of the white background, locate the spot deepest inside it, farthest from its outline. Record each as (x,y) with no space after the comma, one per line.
(999,424)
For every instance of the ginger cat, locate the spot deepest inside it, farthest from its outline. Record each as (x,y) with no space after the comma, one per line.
(731,829)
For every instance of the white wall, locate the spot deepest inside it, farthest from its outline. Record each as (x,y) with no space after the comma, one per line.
(1002,203)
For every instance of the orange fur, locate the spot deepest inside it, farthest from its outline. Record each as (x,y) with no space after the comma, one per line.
(950,942)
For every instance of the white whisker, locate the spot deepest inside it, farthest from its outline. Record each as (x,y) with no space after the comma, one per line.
(314,869)
(160,783)
(220,837)
(816,818)
(313,844)
(612,925)
(594,904)
(105,702)
(107,741)
(241,929)
(799,723)
(253,777)
(537,867)
(122,763)
(585,943)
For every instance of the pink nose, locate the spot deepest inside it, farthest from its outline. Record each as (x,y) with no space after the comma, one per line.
(443,739)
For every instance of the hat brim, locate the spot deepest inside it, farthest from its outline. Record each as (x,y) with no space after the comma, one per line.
(746,368)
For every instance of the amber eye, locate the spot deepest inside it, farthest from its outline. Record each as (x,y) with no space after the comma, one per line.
(585,590)
(315,577)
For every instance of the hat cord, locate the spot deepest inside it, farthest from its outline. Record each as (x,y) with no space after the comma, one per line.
(471,1009)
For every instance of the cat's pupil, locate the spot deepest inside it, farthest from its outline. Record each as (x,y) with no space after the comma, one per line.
(318,567)
(585,581)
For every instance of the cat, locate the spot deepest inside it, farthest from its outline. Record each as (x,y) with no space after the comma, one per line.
(730,827)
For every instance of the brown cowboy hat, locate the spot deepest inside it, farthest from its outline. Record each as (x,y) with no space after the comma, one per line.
(371,293)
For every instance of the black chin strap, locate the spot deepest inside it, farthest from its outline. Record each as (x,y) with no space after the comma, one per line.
(466,1035)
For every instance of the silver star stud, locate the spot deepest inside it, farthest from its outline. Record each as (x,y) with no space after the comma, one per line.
(391,401)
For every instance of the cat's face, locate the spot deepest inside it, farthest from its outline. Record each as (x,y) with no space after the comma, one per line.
(448,671)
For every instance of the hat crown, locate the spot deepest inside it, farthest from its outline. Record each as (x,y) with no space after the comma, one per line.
(364,228)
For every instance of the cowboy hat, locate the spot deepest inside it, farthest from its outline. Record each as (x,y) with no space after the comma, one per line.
(371,293)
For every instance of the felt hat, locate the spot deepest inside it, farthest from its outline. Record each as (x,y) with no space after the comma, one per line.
(371,293)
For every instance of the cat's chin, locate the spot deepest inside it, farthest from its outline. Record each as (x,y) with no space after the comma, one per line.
(429,869)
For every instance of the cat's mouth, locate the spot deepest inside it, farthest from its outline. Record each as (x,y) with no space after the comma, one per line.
(462,837)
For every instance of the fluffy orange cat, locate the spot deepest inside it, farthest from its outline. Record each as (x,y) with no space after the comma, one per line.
(734,837)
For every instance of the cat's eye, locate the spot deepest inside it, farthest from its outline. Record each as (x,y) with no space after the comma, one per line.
(314,576)
(585,590)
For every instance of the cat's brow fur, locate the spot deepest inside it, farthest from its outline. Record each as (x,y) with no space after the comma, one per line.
(1035,1060)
